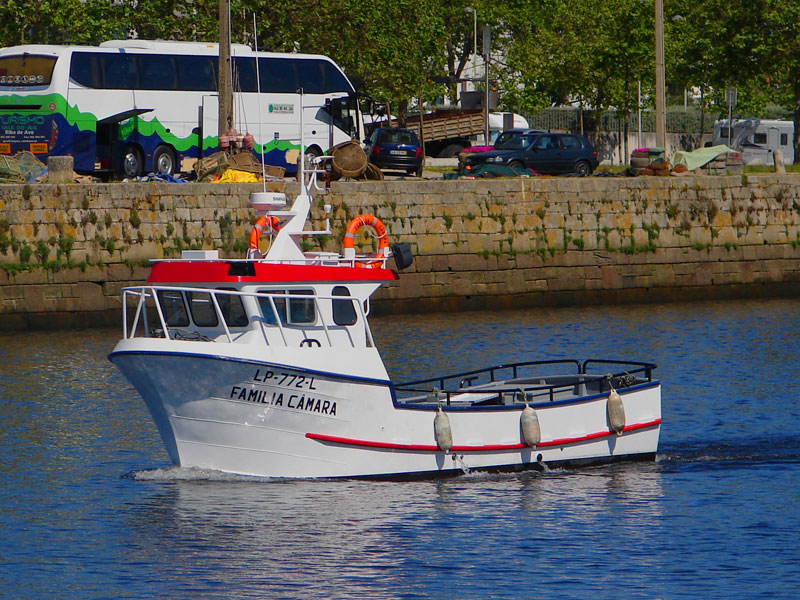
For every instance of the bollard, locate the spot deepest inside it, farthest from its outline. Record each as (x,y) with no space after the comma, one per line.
(777,157)
(59,169)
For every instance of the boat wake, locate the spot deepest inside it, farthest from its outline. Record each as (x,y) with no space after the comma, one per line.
(172,474)
(772,451)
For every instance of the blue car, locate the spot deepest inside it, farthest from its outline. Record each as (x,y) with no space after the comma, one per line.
(392,148)
(544,152)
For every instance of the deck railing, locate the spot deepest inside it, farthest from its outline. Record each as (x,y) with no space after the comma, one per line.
(140,294)
(461,384)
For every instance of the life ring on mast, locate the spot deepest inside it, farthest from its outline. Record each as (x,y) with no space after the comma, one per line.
(258,228)
(383,239)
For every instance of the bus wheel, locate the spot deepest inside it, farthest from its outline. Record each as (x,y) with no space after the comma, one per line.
(164,162)
(313,152)
(132,162)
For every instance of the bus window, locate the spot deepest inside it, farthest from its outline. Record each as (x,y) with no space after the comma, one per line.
(277,75)
(157,72)
(335,81)
(244,75)
(202,308)
(26,70)
(344,313)
(173,308)
(197,73)
(312,74)
(119,71)
(84,69)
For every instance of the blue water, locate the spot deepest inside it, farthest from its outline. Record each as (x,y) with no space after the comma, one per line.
(89,507)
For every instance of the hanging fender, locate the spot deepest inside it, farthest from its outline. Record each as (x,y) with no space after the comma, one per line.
(383,239)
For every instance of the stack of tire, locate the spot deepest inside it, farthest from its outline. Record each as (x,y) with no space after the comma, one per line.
(718,166)
(661,167)
(640,163)
(734,163)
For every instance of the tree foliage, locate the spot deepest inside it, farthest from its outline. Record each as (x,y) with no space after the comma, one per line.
(544,52)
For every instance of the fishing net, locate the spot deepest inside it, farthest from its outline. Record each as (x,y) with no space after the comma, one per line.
(30,167)
(10,171)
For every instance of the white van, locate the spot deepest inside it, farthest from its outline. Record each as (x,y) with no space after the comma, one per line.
(757,139)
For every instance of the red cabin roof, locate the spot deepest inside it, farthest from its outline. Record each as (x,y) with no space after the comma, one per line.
(188,271)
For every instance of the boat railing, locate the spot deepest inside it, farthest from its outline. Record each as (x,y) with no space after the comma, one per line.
(524,388)
(140,294)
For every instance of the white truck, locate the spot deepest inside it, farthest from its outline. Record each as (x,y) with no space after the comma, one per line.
(756,139)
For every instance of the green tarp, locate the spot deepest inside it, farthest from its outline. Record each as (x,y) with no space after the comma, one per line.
(698,158)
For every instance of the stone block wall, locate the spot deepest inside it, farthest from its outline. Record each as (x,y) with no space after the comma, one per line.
(569,240)
(67,250)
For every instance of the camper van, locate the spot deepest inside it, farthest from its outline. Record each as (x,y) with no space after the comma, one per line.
(756,139)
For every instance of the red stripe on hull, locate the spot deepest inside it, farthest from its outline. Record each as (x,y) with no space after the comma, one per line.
(187,271)
(485,448)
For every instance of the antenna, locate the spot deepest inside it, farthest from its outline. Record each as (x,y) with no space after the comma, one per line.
(258,90)
(302,173)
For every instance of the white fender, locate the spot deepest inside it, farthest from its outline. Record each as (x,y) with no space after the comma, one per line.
(441,427)
(616,412)
(529,424)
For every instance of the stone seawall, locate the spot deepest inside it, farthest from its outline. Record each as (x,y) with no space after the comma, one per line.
(67,250)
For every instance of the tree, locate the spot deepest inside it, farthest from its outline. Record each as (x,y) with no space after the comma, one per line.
(54,21)
(782,58)
(391,47)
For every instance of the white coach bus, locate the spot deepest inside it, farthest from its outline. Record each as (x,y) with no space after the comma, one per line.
(138,106)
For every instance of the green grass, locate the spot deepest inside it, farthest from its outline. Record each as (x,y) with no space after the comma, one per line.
(441,169)
(755,169)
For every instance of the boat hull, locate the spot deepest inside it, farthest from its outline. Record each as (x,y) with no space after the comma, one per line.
(280,420)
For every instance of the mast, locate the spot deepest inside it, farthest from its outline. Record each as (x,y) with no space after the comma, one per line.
(225,87)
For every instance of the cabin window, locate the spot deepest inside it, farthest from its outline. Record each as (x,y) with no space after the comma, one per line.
(760,138)
(232,309)
(173,308)
(266,307)
(784,139)
(344,312)
(291,311)
(300,309)
(202,309)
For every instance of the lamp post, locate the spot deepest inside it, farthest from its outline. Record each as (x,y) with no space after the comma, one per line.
(225,119)
(487,45)
(474,12)
(661,115)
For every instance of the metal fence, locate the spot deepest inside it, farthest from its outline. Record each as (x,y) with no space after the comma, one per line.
(610,121)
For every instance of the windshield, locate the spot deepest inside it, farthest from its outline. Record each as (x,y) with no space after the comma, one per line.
(503,138)
(515,142)
(400,137)
(26,70)
(345,114)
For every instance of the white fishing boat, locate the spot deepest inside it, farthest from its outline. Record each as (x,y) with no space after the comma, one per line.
(267,366)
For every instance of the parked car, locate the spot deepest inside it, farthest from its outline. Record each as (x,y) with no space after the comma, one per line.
(395,148)
(544,152)
(506,135)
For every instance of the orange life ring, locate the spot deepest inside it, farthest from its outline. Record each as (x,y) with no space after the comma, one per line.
(383,239)
(258,228)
